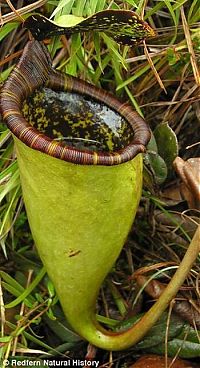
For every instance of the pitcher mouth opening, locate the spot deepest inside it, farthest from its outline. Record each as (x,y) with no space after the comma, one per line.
(77,121)
(68,118)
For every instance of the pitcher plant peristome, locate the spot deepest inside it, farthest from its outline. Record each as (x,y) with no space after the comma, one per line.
(80,201)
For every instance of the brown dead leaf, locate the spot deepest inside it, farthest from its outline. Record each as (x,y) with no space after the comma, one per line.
(189,172)
(184,307)
(172,194)
(155,361)
(9,318)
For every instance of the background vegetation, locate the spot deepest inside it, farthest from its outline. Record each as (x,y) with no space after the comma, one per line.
(161,80)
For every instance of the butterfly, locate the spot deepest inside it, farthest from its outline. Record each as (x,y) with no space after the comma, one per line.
(124,26)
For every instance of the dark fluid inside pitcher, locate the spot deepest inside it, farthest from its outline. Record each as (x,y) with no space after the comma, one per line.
(77,120)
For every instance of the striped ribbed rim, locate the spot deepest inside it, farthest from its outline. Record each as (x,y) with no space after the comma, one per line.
(34,70)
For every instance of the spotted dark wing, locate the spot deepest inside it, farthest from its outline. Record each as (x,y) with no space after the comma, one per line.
(124,26)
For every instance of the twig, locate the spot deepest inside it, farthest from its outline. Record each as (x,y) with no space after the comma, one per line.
(190,48)
(15,14)
(153,67)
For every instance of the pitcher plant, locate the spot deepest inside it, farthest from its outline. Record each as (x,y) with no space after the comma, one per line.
(79,152)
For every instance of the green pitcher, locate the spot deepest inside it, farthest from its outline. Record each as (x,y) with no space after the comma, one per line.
(79,154)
